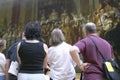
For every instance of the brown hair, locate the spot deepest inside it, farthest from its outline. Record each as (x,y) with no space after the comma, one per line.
(2,44)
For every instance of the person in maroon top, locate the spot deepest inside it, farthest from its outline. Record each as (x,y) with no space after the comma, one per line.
(92,67)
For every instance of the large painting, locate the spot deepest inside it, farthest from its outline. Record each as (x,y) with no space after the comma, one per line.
(14,14)
(68,15)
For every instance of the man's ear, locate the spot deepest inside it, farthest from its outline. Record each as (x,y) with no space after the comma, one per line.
(86,32)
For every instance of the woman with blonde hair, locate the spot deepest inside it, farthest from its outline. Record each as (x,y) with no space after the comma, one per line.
(59,58)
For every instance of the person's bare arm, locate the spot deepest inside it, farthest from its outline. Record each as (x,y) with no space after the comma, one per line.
(46,57)
(74,51)
(7,65)
(18,46)
(75,56)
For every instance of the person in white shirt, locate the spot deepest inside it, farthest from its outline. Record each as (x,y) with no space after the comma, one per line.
(59,58)
(2,59)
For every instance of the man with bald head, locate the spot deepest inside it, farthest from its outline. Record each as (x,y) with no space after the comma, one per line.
(92,66)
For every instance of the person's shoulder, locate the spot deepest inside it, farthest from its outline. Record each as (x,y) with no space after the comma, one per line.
(82,40)
(106,41)
(52,50)
(15,44)
(2,55)
(51,47)
(44,44)
(67,44)
(12,46)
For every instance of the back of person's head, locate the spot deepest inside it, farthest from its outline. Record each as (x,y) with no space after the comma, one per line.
(2,44)
(57,37)
(90,27)
(32,31)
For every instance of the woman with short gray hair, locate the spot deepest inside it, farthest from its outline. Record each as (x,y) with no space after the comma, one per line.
(57,37)
(59,59)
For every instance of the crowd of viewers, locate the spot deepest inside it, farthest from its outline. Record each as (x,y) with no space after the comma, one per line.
(34,54)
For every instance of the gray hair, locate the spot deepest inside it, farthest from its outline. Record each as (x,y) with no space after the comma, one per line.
(90,27)
(57,37)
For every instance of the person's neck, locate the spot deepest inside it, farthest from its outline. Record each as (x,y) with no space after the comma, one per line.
(93,34)
(31,41)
